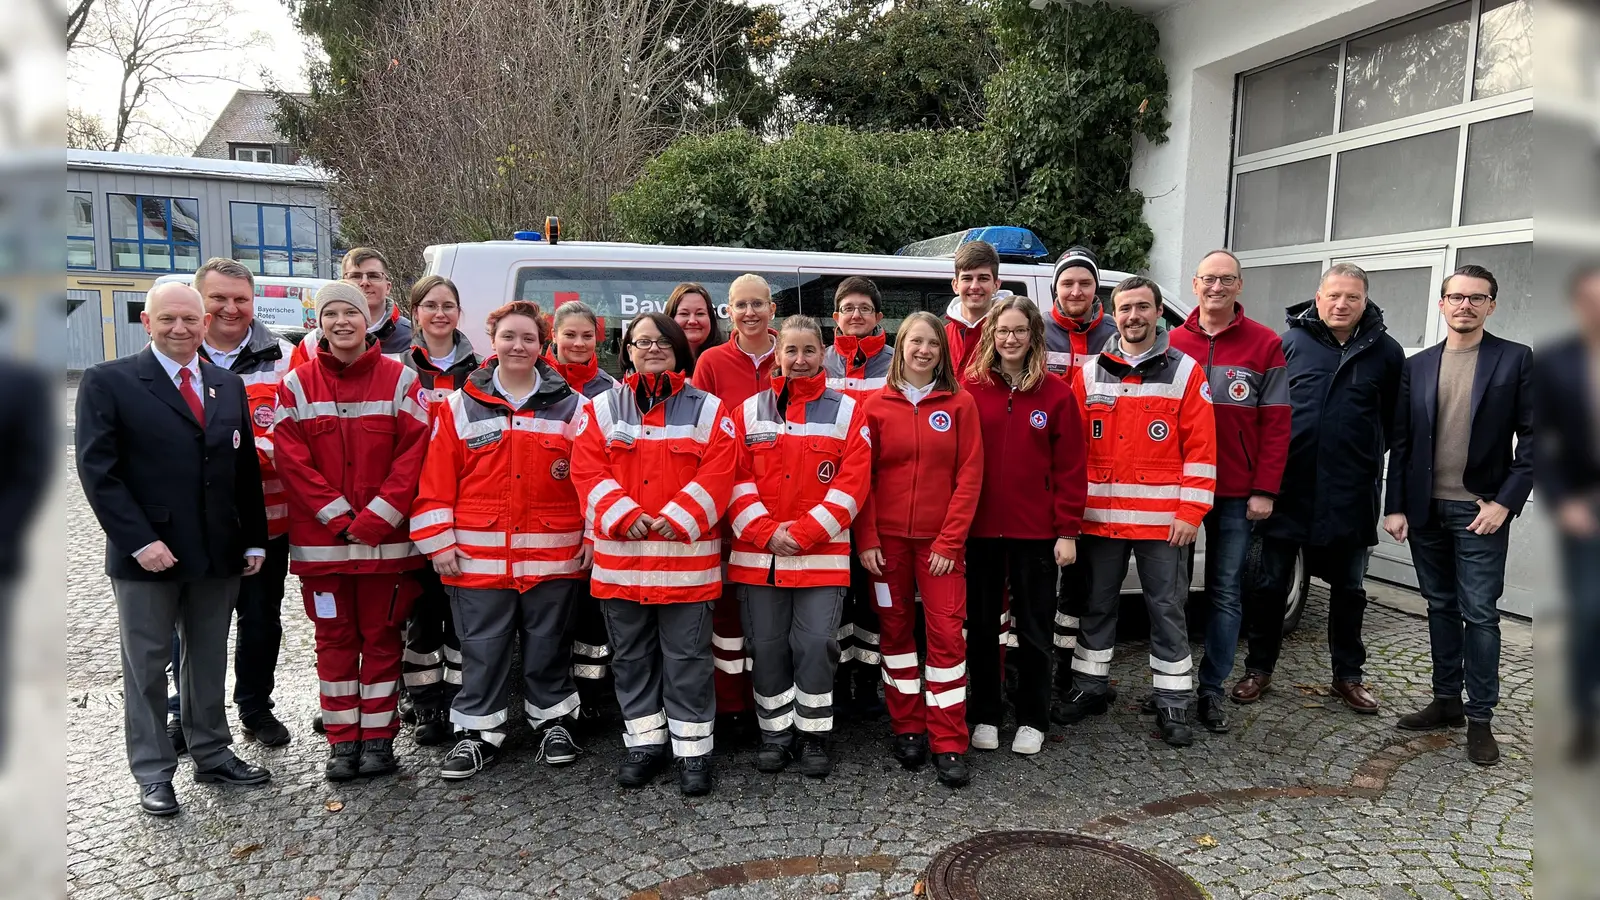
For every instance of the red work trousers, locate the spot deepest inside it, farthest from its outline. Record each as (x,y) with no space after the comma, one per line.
(358,621)
(941,710)
(728,653)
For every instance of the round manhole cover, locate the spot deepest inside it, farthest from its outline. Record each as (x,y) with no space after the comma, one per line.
(1051,865)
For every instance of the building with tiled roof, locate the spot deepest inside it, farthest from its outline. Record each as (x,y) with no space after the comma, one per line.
(246,130)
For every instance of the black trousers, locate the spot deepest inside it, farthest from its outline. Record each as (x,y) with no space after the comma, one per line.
(1026,570)
(1344,568)
(257,640)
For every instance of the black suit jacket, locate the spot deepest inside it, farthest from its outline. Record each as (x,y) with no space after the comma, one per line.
(1502,407)
(1569,436)
(151,472)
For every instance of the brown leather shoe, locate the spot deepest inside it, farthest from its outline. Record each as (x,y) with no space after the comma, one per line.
(1356,696)
(1251,687)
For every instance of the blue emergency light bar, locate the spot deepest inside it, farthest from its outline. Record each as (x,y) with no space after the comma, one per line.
(551,232)
(1013,243)
(526,236)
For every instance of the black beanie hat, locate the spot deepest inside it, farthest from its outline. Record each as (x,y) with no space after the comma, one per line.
(1081,257)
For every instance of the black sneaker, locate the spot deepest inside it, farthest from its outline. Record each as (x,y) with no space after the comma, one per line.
(377,757)
(556,747)
(470,756)
(1172,726)
(953,771)
(433,728)
(180,746)
(266,729)
(911,750)
(694,776)
(1212,714)
(773,758)
(639,767)
(1077,706)
(406,707)
(814,759)
(344,761)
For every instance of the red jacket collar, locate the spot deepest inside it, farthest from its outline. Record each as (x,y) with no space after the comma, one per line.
(576,374)
(799,390)
(1193,322)
(367,359)
(869,346)
(1097,313)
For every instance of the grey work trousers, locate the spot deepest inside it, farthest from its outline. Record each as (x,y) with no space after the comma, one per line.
(487,622)
(1165,594)
(792,636)
(661,664)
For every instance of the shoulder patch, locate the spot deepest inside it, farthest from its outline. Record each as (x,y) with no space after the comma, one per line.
(583,422)
(1205,390)
(727,427)
(866,435)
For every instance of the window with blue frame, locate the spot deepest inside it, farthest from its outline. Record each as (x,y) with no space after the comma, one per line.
(275,240)
(80,230)
(154,234)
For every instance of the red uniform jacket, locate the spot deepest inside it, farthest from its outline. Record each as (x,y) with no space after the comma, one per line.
(587,378)
(1070,343)
(726,372)
(348,444)
(262,362)
(1033,460)
(806,460)
(927,470)
(961,336)
(677,460)
(498,484)
(858,366)
(1249,382)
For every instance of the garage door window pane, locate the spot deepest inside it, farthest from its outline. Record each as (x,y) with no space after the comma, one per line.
(1517,316)
(1269,290)
(1412,68)
(1404,185)
(1505,48)
(1281,206)
(1499,170)
(1407,297)
(1290,102)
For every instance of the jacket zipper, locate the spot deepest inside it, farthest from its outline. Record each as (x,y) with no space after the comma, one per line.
(916,463)
(1248,465)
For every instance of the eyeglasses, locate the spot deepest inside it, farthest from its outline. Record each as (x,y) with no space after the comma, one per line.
(439,307)
(1214,280)
(856,310)
(1020,334)
(749,305)
(1475,299)
(647,344)
(365,276)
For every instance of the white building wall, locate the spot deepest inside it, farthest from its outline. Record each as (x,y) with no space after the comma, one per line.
(1205,44)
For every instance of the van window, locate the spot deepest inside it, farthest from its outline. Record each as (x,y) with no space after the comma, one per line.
(618,295)
(902,295)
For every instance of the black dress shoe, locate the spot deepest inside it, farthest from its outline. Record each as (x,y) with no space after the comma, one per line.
(814,759)
(639,767)
(952,768)
(234,771)
(377,757)
(1212,715)
(344,761)
(266,729)
(175,735)
(694,776)
(911,750)
(1077,706)
(1172,726)
(158,799)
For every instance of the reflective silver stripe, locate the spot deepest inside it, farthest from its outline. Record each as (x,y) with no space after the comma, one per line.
(546,541)
(1058,358)
(588,671)
(312,410)
(541,426)
(946,699)
(478,723)
(813,562)
(337,507)
(264,444)
(1171,682)
(645,724)
(272,486)
(1127,516)
(1180,667)
(377,720)
(1135,491)
(1095,655)
(702,497)
(658,549)
(467,538)
(341,716)
(405,396)
(682,519)
(900,660)
(840,498)
(827,521)
(1196,495)
(1065,641)
(1066,621)
(821,723)
(593,651)
(352,552)
(648,578)
(545,714)
(541,569)
(1089,667)
(908,686)
(936,673)
(815,701)
(384,510)
(618,509)
(444,516)
(748,515)
(648,739)
(422,679)
(749,560)
(482,566)
(598,493)
(777,701)
(743,489)
(432,545)
(452,655)
(453,676)
(698,747)
(727,643)
(1199,470)
(776,723)
(278,511)
(422,659)
(681,728)
(339,688)
(731,666)
(374,691)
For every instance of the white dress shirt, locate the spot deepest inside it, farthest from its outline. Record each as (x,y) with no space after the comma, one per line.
(224,358)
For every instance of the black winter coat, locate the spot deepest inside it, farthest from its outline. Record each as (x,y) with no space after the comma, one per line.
(1343,400)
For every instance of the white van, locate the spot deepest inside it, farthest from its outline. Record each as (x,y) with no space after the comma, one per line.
(283,303)
(620,281)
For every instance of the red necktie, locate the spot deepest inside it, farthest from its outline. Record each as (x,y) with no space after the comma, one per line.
(191,396)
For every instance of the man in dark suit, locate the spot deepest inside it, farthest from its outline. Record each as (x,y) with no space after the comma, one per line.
(1460,467)
(1566,381)
(168,464)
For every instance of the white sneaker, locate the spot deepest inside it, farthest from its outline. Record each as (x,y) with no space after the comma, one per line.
(1028,741)
(985,737)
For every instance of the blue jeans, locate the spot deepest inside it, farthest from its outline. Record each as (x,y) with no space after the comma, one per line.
(1462,576)
(1227,546)
(1581,558)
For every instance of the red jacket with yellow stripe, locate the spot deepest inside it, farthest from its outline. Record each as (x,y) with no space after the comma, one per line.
(805,461)
(262,362)
(497,485)
(348,444)
(656,446)
(1152,442)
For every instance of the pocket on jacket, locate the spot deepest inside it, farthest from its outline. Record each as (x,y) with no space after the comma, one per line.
(1160,474)
(685,456)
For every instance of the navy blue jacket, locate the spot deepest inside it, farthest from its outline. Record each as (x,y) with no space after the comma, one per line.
(1502,407)
(1343,400)
(1568,435)
(151,472)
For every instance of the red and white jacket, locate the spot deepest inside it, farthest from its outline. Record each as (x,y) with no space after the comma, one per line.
(1152,442)
(261,364)
(677,461)
(806,460)
(927,470)
(497,485)
(587,378)
(858,366)
(348,445)
(1070,344)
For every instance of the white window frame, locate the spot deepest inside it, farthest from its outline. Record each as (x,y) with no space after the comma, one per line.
(252,154)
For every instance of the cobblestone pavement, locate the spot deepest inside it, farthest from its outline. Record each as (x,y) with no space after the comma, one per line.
(1302,799)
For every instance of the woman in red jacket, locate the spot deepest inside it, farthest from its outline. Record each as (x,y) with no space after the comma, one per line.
(575,332)
(803,476)
(1026,527)
(655,468)
(927,462)
(499,516)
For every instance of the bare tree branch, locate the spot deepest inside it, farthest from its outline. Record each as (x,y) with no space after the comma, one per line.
(77,16)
